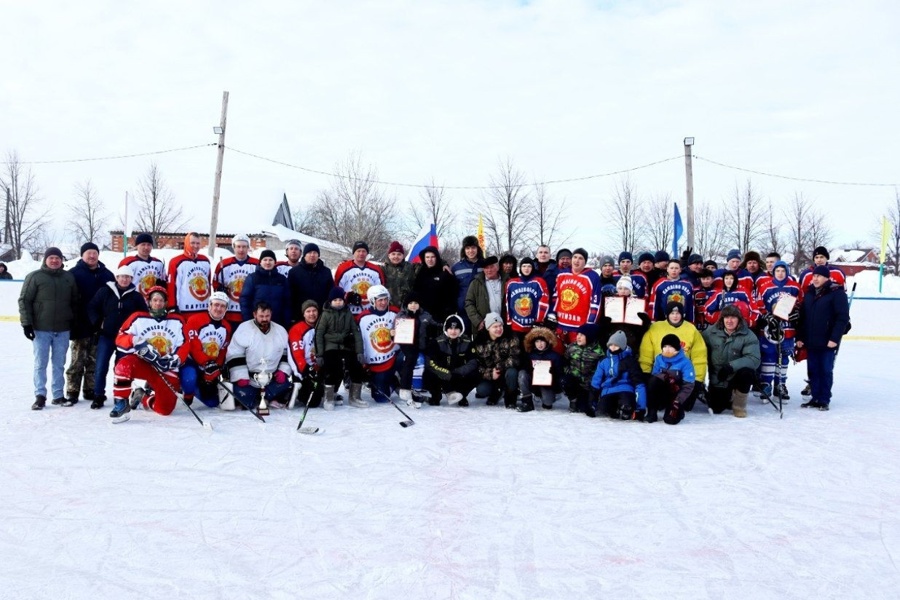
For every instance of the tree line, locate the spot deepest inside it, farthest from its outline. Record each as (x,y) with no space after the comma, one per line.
(517,214)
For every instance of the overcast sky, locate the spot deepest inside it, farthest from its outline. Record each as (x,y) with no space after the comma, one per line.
(444,90)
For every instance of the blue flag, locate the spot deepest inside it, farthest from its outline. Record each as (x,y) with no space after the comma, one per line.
(679,229)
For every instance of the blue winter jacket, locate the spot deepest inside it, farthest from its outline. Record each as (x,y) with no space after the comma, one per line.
(620,372)
(465,272)
(679,367)
(267,286)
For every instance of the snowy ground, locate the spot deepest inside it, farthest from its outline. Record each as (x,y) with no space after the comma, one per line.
(469,503)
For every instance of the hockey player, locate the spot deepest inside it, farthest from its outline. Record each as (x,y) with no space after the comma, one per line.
(209,334)
(189,279)
(702,294)
(375,326)
(154,344)
(147,270)
(231,273)
(527,299)
(671,289)
(292,250)
(257,360)
(750,273)
(732,263)
(731,293)
(356,276)
(302,356)
(820,259)
(578,298)
(770,292)
(638,280)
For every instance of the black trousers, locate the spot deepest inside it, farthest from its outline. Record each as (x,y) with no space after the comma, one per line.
(719,398)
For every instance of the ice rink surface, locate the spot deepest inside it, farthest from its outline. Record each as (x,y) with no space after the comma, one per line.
(476,503)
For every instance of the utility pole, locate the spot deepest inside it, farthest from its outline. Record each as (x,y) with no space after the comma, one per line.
(689,176)
(7,228)
(214,221)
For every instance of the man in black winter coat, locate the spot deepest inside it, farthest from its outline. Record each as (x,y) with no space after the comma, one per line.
(90,276)
(824,319)
(310,280)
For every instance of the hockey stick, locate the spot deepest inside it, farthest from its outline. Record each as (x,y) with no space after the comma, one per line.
(180,396)
(408,422)
(241,402)
(300,427)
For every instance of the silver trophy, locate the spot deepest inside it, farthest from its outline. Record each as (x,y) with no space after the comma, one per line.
(263,376)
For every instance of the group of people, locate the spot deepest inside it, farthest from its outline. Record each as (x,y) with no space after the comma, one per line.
(621,341)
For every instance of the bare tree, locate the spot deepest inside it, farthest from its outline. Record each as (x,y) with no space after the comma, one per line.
(808,229)
(709,231)
(305,220)
(507,209)
(549,217)
(355,208)
(157,210)
(432,206)
(746,217)
(87,215)
(660,222)
(24,220)
(628,214)
(774,236)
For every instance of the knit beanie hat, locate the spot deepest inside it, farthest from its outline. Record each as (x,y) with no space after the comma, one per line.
(395,247)
(645,256)
(591,331)
(822,270)
(625,282)
(618,339)
(580,252)
(670,339)
(88,246)
(308,304)
(660,256)
(310,247)
(360,244)
(267,254)
(733,253)
(822,251)
(672,306)
(694,259)
(563,252)
(143,238)
(335,293)
(52,251)
(625,256)
(491,319)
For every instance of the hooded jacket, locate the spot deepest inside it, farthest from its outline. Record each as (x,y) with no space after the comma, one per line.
(48,299)
(447,358)
(111,305)
(437,289)
(740,350)
(619,372)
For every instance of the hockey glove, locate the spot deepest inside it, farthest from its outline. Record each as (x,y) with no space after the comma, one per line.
(28,330)
(242,382)
(353,299)
(146,352)
(170,362)
(280,377)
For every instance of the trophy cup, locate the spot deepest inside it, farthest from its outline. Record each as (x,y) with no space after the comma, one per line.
(262,377)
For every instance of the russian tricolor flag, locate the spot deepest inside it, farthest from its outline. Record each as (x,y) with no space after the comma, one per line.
(427,237)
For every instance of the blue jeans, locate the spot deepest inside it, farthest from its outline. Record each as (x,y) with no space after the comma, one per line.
(193,384)
(106,347)
(50,347)
(820,368)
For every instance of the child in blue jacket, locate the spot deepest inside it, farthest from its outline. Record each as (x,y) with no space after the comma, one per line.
(619,383)
(671,381)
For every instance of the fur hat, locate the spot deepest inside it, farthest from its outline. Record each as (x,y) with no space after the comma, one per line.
(821,251)
(732,254)
(539,333)
(310,247)
(267,254)
(730,310)
(491,319)
(395,247)
(335,293)
(752,255)
(618,339)
(490,260)
(822,270)
(645,256)
(670,339)
(625,256)
(143,238)
(88,246)
(470,240)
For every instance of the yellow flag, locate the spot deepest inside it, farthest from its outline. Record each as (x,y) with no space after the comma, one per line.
(480,234)
(885,233)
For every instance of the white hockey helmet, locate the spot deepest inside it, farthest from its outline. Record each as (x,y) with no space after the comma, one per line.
(219,297)
(377,291)
(240,238)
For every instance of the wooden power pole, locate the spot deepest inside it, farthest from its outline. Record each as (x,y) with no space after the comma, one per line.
(214,220)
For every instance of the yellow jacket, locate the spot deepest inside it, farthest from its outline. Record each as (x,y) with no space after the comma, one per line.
(691,342)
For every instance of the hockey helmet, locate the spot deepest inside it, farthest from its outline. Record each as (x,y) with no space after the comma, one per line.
(157,289)
(377,291)
(219,297)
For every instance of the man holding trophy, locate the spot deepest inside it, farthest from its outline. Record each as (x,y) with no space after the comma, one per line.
(257,362)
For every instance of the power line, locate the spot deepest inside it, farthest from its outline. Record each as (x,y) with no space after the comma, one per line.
(795,178)
(449,187)
(77,160)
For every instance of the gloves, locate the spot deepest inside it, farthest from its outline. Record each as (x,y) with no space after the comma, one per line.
(320,361)
(210,367)
(726,372)
(170,362)
(686,255)
(361,358)
(28,330)
(280,377)
(645,319)
(242,382)
(147,352)
(353,299)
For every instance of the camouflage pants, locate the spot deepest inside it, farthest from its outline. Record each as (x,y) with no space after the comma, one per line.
(82,360)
